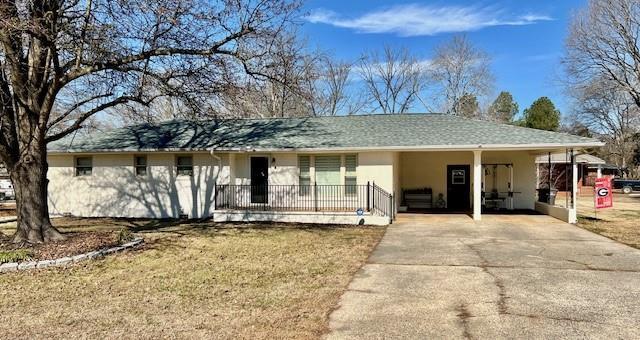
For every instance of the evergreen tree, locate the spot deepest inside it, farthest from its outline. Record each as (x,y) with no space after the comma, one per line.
(467,106)
(542,115)
(504,108)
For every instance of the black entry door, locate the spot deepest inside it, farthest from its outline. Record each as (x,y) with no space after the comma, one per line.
(259,179)
(458,187)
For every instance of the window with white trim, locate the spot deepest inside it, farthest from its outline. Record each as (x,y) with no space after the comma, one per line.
(140,165)
(84,166)
(328,170)
(184,165)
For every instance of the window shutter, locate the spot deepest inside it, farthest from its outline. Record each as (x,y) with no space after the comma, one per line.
(350,164)
(304,162)
(350,180)
(328,170)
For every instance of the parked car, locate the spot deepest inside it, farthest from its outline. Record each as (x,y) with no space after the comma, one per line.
(626,185)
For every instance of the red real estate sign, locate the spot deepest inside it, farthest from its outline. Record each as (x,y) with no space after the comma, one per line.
(603,194)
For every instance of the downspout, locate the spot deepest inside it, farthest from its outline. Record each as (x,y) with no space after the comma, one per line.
(216,157)
(215,178)
(212,153)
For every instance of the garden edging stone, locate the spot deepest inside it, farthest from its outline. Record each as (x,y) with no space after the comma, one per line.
(63,261)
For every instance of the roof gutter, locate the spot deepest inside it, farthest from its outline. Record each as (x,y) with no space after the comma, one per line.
(490,147)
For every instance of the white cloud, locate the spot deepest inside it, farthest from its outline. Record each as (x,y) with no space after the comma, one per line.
(543,57)
(418,20)
(357,69)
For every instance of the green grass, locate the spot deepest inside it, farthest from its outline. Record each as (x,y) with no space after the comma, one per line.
(18,255)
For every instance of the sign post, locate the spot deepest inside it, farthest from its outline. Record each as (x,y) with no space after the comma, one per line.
(360,213)
(603,195)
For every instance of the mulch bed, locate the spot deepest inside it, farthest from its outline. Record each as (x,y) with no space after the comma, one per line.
(75,244)
(7,212)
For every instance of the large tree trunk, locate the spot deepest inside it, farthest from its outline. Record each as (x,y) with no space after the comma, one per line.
(29,179)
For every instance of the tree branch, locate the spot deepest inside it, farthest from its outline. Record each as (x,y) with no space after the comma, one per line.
(216,48)
(86,115)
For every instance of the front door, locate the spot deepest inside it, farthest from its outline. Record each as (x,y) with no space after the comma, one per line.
(259,179)
(458,187)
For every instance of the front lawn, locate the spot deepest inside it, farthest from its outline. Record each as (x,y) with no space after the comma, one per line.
(620,223)
(191,280)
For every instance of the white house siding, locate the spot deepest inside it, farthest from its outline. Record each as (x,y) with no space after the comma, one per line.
(377,167)
(429,169)
(372,167)
(524,175)
(113,190)
(283,168)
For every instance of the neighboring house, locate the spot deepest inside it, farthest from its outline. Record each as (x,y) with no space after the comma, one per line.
(6,187)
(321,169)
(589,167)
(600,170)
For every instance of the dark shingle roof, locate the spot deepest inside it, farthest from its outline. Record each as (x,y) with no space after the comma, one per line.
(411,131)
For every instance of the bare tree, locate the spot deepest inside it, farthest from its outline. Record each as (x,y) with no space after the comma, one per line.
(333,91)
(459,68)
(62,62)
(609,112)
(331,87)
(393,80)
(603,44)
(288,91)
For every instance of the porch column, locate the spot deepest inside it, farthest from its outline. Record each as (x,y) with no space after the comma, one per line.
(573,215)
(599,174)
(477,184)
(232,168)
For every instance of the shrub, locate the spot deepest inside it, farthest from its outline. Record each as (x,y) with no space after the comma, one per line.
(125,235)
(19,255)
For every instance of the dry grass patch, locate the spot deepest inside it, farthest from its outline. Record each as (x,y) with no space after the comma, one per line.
(192,280)
(620,223)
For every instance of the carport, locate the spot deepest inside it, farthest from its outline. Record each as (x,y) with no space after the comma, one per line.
(482,179)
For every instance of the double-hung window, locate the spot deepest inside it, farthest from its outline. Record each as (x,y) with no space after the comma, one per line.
(141,165)
(84,166)
(184,165)
(328,170)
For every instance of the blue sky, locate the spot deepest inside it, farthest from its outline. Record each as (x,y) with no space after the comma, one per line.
(524,37)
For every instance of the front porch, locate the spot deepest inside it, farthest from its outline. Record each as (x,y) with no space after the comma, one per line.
(372,187)
(324,204)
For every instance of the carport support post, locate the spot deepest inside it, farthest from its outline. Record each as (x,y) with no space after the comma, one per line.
(573,215)
(477,185)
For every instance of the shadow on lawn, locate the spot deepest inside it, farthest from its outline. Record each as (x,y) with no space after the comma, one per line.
(175,229)
(207,225)
(590,219)
(163,233)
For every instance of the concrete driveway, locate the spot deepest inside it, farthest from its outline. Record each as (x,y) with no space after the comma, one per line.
(445,276)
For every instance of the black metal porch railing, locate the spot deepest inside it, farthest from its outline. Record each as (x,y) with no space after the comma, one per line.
(335,198)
